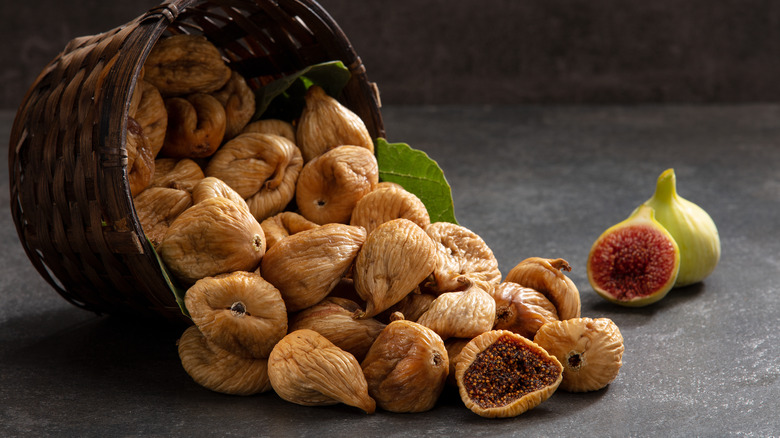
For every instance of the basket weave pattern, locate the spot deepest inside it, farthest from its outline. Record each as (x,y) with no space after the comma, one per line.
(70,197)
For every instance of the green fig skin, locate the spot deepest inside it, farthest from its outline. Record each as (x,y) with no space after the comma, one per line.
(692,228)
(612,258)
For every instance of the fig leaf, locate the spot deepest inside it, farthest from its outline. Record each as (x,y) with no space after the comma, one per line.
(416,172)
(178,292)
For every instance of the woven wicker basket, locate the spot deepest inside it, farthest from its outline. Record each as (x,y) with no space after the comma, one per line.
(70,197)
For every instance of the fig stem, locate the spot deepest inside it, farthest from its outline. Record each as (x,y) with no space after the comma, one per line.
(666,187)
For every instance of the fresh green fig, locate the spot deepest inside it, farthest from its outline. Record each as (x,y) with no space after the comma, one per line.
(692,228)
(635,262)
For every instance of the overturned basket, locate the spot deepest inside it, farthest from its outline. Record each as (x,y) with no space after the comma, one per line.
(70,197)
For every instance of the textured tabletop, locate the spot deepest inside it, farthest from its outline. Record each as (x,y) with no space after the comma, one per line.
(532,181)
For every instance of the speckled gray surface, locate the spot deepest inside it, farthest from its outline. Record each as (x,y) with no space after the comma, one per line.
(532,181)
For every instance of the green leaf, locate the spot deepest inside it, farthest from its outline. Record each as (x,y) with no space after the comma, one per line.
(416,172)
(178,292)
(284,98)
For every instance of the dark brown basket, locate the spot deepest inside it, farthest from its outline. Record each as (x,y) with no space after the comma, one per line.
(70,197)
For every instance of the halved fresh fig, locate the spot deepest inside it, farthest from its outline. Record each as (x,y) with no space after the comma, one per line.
(635,262)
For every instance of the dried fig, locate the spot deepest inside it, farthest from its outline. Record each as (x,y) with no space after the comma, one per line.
(330,185)
(463,258)
(272,126)
(239,311)
(157,208)
(212,237)
(196,126)
(325,124)
(174,173)
(461,314)
(454,346)
(284,224)
(412,306)
(151,114)
(211,187)
(406,367)
(262,168)
(522,310)
(503,374)
(186,64)
(306,266)
(545,276)
(396,257)
(307,369)
(386,203)
(590,350)
(332,318)
(140,161)
(239,102)
(220,370)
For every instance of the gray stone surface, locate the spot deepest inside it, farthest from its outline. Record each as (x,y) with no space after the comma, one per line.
(497,51)
(532,181)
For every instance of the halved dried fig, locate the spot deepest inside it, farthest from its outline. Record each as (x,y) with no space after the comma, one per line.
(196,126)
(463,258)
(175,173)
(212,237)
(272,126)
(284,224)
(307,369)
(406,367)
(503,374)
(239,311)
(330,185)
(590,350)
(546,276)
(239,102)
(521,309)
(307,265)
(395,258)
(332,318)
(157,208)
(325,124)
(186,64)
(262,168)
(461,314)
(386,203)
(220,370)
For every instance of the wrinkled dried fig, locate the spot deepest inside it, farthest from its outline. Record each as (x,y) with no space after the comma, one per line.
(590,350)
(220,370)
(412,306)
(140,161)
(262,168)
(212,237)
(307,369)
(211,187)
(306,266)
(151,114)
(157,208)
(332,318)
(239,311)
(522,310)
(325,124)
(387,203)
(461,314)
(272,126)
(196,126)
(239,102)
(396,257)
(454,346)
(406,367)
(330,185)
(502,374)
(175,173)
(186,64)
(546,276)
(284,224)
(463,258)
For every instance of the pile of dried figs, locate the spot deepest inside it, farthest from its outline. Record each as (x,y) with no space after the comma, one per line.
(307,276)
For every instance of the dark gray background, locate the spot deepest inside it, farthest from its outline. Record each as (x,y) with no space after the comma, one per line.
(496,51)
